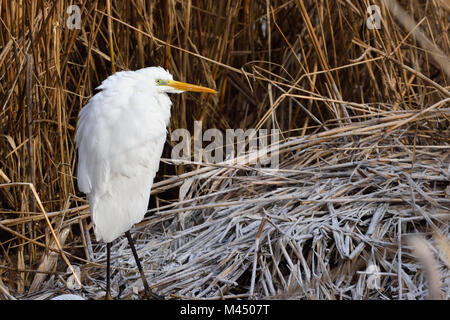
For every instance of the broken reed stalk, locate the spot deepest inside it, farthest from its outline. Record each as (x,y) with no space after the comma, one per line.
(49,224)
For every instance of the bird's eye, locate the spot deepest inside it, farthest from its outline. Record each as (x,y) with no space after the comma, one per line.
(161,82)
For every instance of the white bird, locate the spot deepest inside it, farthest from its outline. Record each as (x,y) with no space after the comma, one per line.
(120,138)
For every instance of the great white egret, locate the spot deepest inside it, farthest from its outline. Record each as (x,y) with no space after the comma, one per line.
(120,138)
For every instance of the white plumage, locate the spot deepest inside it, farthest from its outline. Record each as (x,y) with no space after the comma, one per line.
(120,138)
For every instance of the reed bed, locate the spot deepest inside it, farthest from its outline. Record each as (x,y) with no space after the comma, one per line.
(360,204)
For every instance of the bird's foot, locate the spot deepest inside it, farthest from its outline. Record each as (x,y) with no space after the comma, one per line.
(108,296)
(150,295)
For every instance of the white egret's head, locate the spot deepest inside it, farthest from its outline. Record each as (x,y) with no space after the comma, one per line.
(164,83)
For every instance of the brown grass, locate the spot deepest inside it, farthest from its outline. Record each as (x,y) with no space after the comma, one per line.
(364,157)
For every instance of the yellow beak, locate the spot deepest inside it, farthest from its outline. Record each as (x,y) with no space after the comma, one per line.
(188,87)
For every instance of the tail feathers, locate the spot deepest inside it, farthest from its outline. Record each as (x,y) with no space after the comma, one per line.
(115,212)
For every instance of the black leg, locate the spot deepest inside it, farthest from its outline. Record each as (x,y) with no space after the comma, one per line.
(148,292)
(108,263)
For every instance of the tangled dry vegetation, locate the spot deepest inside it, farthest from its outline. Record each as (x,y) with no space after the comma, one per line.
(358,209)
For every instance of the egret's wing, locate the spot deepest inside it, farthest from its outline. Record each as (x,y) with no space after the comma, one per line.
(120,140)
(85,126)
